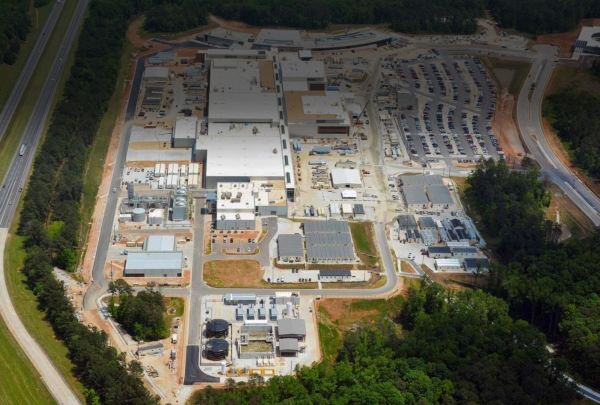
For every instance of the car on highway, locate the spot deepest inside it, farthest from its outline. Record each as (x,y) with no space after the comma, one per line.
(20,189)
(10,203)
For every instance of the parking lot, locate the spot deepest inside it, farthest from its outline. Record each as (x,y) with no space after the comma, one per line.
(459,92)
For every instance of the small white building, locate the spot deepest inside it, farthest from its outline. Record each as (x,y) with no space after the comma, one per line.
(448,265)
(346,178)
(347,210)
(156,74)
(349,194)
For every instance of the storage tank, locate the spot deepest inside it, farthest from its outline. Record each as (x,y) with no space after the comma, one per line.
(138,215)
(216,349)
(288,308)
(217,328)
(223,368)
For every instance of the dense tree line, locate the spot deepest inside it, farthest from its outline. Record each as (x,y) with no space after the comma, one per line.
(456,349)
(15,24)
(176,16)
(142,315)
(511,207)
(543,16)
(424,16)
(575,115)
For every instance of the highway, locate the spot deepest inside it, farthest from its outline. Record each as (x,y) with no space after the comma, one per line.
(19,88)
(19,169)
(530,124)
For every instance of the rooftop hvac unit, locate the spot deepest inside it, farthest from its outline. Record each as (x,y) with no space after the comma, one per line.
(223,196)
(239,194)
(223,217)
(275,151)
(237,216)
(255,130)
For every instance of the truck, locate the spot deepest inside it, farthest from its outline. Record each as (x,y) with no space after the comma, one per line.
(312,211)
(161,182)
(22,150)
(174,338)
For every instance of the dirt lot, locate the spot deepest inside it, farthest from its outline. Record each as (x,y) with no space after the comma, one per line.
(406,268)
(117,267)
(241,274)
(505,128)
(564,40)
(456,281)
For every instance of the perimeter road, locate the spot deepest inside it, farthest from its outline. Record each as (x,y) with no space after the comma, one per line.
(52,378)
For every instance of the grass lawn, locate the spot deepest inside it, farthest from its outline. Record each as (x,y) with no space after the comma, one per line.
(521,70)
(20,382)
(175,308)
(362,235)
(242,274)
(10,73)
(14,133)
(339,316)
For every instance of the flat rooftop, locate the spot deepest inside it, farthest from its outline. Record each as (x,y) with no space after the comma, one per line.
(279,38)
(297,69)
(185,127)
(230,34)
(241,76)
(591,35)
(153,260)
(233,150)
(347,40)
(314,104)
(243,107)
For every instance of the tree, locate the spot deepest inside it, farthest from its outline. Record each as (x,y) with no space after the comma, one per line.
(119,287)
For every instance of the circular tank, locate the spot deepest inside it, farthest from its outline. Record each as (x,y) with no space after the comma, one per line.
(217,328)
(138,215)
(216,349)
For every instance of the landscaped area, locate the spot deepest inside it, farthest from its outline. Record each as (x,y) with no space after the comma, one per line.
(362,235)
(499,69)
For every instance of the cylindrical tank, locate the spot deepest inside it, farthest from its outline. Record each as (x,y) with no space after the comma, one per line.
(223,368)
(288,308)
(138,215)
(216,349)
(217,328)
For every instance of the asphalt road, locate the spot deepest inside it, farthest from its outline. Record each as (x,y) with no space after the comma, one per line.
(19,169)
(19,88)
(530,124)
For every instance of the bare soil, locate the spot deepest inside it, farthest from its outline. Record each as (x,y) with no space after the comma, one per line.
(564,40)
(456,281)
(505,128)
(407,268)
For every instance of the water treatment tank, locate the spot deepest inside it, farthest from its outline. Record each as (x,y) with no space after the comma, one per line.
(138,215)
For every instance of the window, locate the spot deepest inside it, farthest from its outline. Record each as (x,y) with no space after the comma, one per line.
(284,143)
(287,162)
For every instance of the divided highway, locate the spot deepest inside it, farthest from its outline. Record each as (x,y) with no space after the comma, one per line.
(19,88)
(19,169)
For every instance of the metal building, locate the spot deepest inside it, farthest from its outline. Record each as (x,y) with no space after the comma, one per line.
(291,328)
(415,197)
(335,275)
(290,248)
(440,197)
(154,264)
(407,222)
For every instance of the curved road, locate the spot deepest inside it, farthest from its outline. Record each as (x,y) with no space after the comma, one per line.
(17,92)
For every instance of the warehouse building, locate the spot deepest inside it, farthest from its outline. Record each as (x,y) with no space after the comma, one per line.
(326,227)
(152,99)
(407,222)
(471,265)
(290,248)
(150,349)
(154,264)
(436,252)
(160,243)
(359,211)
(156,74)
(427,223)
(415,197)
(226,37)
(346,178)
(317,114)
(440,197)
(279,40)
(469,251)
(291,329)
(420,180)
(429,237)
(300,75)
(288,347)
(335,275)
(448,265)
(328,242)
(185,131)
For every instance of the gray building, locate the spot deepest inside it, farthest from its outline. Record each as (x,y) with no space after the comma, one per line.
(472,264)
(415,197)
(291,328)
(154,264)
(160,243)
(226,37)
(440,197)
(288,346)
(439,251)
(326,227)
(330,254)
(236,224)
(429,237)
(328,242)
(420,180)
(335,275)
(290,248)
(152,348)
(427,223)
(359,211)
(234,299)
(407,222)
(470,251)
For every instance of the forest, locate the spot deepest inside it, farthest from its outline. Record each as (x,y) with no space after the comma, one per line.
(553,286)
(424,16)
(455,349)
(142,315)
(543,16)
(15,24)
(176,16)
(575,115)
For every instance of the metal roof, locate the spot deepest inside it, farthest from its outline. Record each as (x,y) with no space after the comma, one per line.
(470,249)
(427,222)
(295,327)
(137,261)
(472,263)
(290,245)
(335,273)
(326,227)
(359,209)
(236,224)
(455,223)
(328,239)
(151,346)
(421,180)
(439,250)
(160,243)
(407,222)
(345,176)
(329,252)
(240,297)
(439,194)
(447,262)
(288,345)
(415,195)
